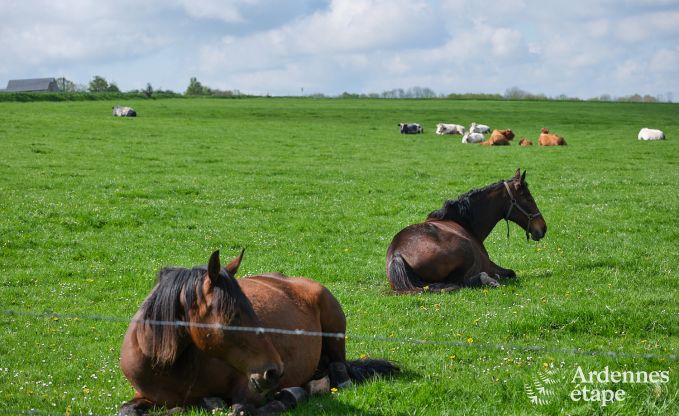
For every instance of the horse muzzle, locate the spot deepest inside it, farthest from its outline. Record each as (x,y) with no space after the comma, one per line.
(537,230)
(266,381)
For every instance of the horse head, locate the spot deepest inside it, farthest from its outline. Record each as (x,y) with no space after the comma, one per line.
(223,303)
(522,209)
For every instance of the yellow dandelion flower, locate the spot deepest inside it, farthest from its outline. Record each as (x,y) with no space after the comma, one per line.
(333,390)
(470,340)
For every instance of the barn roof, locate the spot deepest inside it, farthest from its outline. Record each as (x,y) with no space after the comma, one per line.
(35,84)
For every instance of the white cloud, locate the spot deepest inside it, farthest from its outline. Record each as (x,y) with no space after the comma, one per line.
(331,46)
(229,11)
(646,26)
(505,42)
(665,61)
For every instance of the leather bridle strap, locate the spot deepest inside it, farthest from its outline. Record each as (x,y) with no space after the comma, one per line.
(513,204)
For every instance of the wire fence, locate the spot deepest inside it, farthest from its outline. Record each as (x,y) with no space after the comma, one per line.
(338,335)
(341,335)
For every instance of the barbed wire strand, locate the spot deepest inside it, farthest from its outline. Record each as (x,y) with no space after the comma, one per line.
(341,335)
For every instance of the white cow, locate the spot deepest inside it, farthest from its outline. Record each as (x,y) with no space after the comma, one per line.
(651,134)
(119,111)
(443,128)
(479,128)
(471,137)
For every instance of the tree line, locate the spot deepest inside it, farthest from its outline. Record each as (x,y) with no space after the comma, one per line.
(99,85)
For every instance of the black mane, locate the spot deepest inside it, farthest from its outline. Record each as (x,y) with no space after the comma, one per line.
(460,209)
(178,290)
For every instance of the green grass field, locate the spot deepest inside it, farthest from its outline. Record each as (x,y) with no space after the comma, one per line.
(92,206)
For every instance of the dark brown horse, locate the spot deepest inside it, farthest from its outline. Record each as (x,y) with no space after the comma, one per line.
(177,352)
(446,252)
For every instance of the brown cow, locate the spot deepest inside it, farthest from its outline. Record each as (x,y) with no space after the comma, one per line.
(499,138)
(547,139)
(525,142)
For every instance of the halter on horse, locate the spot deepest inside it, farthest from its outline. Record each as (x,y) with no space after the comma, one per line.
(513,204)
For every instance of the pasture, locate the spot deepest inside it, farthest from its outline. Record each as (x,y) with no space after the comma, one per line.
(91,207)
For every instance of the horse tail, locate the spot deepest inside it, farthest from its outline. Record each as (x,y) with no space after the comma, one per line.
(401,276)
(367,368)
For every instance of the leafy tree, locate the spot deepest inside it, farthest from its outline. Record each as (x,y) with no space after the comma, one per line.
(516,93)
(66,85)
(98,84)
(148,91)
(112,87)
(196,88)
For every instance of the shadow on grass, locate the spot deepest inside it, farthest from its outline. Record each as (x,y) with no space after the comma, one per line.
(532,274)
(330,405)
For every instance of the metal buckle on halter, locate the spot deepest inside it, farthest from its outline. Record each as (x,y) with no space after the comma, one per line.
(513,204)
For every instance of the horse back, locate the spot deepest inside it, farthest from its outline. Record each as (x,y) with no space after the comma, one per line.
(437,250)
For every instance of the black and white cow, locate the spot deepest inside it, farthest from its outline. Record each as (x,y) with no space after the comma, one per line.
(411,128)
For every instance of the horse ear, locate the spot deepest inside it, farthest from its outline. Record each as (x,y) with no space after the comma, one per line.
(523,177)
(213,267)
(517,174)
(233,265)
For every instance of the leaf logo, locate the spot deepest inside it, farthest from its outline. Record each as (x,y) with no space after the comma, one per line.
(538,391)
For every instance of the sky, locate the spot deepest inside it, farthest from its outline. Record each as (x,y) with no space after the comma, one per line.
(580,48)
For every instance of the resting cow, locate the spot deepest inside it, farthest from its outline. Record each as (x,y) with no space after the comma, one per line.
(479,128)
(547,139)
(119,111)
(499,138)
(470,137)
(411,128)
(443,128)
(525,142)
(651,134)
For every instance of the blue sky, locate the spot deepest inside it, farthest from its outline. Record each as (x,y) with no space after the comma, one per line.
(582,48)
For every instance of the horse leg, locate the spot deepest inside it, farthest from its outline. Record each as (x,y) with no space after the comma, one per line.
(441,287)
(138,406)
(481,279)
(333,352)
(284,400)
(501,272)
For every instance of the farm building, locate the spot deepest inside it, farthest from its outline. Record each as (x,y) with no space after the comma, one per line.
(31,85)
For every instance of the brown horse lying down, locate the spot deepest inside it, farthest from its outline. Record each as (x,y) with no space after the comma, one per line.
(547,139)
(446,252)
(177,352)
(525,142)
(499,138)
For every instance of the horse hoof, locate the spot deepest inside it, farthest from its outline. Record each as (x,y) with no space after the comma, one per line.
(273,407)
(127,410)
(318,387)
(487,280)
(241,410)
(339,374)
(212,403)
(291,396)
